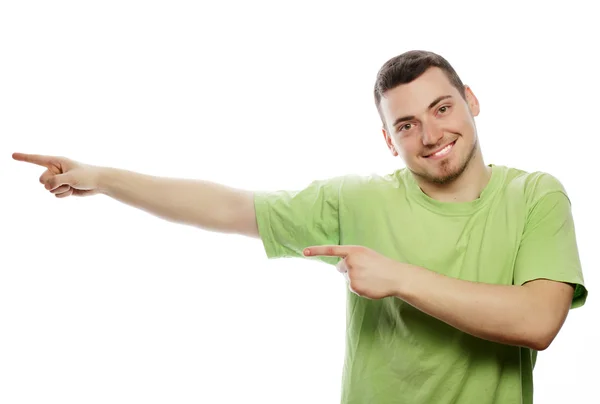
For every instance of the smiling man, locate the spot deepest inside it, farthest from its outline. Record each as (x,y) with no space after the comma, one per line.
(458,272)
(438,139)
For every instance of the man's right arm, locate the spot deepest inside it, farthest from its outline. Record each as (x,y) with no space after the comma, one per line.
(204,204)
(290,220)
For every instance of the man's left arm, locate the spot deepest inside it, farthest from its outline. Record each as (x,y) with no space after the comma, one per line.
(548,282)
(530,315)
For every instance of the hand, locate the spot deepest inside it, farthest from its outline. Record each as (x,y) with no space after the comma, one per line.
(64,177)
(369,273)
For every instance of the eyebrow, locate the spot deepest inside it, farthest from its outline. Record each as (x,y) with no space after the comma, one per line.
(433,104)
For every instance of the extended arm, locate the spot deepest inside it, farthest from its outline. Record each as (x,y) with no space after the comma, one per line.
(204,204)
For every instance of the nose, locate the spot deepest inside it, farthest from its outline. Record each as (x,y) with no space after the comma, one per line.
(431,135)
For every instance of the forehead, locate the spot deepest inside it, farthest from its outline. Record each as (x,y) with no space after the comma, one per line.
(414,98)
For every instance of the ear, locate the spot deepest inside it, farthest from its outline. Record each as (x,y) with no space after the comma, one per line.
(472,101)
(388,141)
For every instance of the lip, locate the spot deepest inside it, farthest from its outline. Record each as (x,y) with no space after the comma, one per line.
(441,148)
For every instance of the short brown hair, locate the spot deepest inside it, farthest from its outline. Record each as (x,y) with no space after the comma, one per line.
(404,68)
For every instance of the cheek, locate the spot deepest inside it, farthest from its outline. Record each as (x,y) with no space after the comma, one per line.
(467,131)
(464,125)
(408,147)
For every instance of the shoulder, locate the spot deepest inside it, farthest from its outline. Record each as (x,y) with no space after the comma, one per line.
(531,186)
(332,188)
(372,184)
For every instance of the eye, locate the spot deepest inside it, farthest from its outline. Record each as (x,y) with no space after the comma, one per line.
(444,109)
(405,127)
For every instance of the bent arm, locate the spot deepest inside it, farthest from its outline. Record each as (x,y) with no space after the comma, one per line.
(548,281)
(207,205)
(530,315)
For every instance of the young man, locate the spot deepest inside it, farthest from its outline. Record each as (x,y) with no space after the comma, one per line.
(458,271)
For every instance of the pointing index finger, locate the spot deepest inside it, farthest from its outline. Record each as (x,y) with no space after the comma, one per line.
(40,160)
(327,251)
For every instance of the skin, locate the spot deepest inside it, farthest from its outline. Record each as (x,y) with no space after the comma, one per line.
(202,204)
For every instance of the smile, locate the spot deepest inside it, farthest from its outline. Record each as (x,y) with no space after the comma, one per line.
(443,152)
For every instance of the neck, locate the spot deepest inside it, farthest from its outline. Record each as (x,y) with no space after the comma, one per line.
(466,188)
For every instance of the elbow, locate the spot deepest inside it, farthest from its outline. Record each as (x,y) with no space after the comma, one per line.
(540,344)
(549,306)
(542,338)
(544,331)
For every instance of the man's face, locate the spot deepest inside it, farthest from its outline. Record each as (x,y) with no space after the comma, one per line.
(430,125)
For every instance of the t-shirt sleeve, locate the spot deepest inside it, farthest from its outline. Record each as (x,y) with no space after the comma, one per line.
(548,247)
(289,221)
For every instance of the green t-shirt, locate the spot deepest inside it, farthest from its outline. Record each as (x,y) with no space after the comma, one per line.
(519,229)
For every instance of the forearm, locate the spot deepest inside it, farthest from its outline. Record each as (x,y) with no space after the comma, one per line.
(198,203)
(499,313)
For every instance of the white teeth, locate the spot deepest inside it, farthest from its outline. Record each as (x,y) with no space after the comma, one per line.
(443,151)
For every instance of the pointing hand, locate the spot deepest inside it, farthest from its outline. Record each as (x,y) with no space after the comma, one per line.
(64,177)
(369,273)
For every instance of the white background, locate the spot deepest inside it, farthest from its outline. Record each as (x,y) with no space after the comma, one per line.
(102,303)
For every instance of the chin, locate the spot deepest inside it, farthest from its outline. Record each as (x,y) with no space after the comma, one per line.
(441,177)
(445,171)
(447,177)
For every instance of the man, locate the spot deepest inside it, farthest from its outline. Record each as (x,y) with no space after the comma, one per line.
(458,271)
